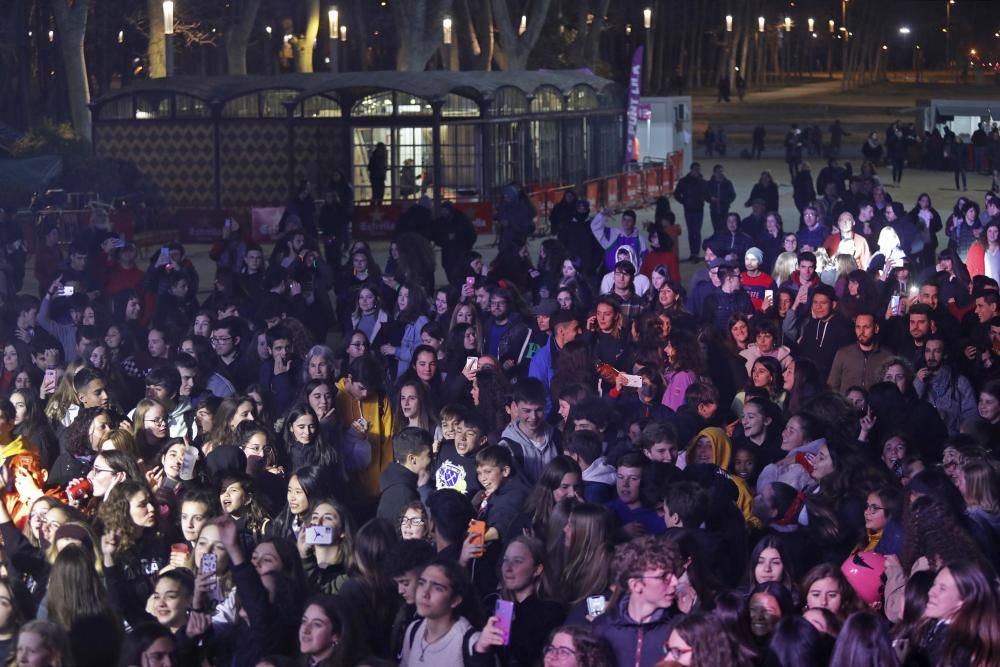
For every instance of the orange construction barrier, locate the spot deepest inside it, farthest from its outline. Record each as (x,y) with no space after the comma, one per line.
(592,193)
(632,189)
(651,183)
(612,199)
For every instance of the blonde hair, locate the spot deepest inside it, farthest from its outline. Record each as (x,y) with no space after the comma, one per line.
(823,260)
(123,441)
(64,395)
(885,235)
(845,264)
(786,264)
(981,486)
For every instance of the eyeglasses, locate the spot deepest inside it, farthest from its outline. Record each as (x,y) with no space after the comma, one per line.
(98,471)
(561,652)
(358,345)
(412,522)
(873,508)
(156,420)
(215,340)
(675,652)
(665,577)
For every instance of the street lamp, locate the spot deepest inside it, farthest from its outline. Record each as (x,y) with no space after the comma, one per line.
(729,22)
(760,24)
(523,28)
(812,25)
(832,26)
(904,30)
(333,18)
(168,31)
(168,17)
(647,18)
(343,33)
(446,28)
(788,24)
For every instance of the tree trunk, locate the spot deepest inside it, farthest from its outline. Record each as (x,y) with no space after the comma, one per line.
(71,24)
(359,28)
(305,46)
(477,49)
(516,48)
(418,24)
(242,15)
(156,51)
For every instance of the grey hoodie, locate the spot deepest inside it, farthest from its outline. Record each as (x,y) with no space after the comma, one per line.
(529,457)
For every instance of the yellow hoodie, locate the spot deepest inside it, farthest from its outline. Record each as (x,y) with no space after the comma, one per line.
(378,414)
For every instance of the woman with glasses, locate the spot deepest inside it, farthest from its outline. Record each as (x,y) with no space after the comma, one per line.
(577,646)
(414,524)
(700,640)
(151,428)
(357,345)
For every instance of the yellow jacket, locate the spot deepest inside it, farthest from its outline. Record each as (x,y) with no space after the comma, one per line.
(378,414)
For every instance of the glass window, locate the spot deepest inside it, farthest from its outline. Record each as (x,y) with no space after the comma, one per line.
(456,106)
(388,103)
(408,168)
(152,105)
(186,106)
(320,106)
(547,98)
(546,152)
(244,106)
(509,101)
(461,156)
(507,164)
(119,108)
(379,104)
(582,98)
(577,149)
(272,102)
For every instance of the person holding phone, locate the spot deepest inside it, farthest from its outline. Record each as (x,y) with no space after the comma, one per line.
(523,613)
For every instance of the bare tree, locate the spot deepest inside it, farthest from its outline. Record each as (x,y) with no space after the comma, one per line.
(156,50)
(305,44)
(514,48)
(71,22)
(240,18)
(418,24)
(475,19)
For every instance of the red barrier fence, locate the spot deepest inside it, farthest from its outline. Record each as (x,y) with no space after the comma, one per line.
(632,189)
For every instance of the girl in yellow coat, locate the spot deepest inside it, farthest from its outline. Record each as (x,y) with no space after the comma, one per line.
(363,408)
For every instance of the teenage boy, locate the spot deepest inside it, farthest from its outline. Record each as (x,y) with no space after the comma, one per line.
(584,447)
(638,627)
(456,461)
(628,508)
(406,561)
(91,392)
(658,443)
(406,479)
(503,494)
(529,438)
(281,372)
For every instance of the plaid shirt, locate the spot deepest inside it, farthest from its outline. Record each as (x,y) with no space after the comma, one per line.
(632,306)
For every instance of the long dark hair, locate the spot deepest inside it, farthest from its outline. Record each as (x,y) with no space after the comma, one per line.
(864,640)
(540,502)
(320,452)
(688,352)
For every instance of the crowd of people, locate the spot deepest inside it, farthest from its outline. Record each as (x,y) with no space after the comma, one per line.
(570,458)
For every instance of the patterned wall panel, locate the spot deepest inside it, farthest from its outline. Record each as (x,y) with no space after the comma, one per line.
(175,159)
(319,149)
(254,163)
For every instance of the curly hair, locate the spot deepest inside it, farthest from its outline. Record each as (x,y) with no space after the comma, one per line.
(115,515)
(646,553)
(77,437)
(710,645)
(591,650)
(934,531)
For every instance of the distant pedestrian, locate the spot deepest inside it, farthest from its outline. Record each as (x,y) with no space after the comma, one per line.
(691,193)
(741,87)
(757,147)
(793,150)
(721,139)
(837,133)
(723,89)
(709,141)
